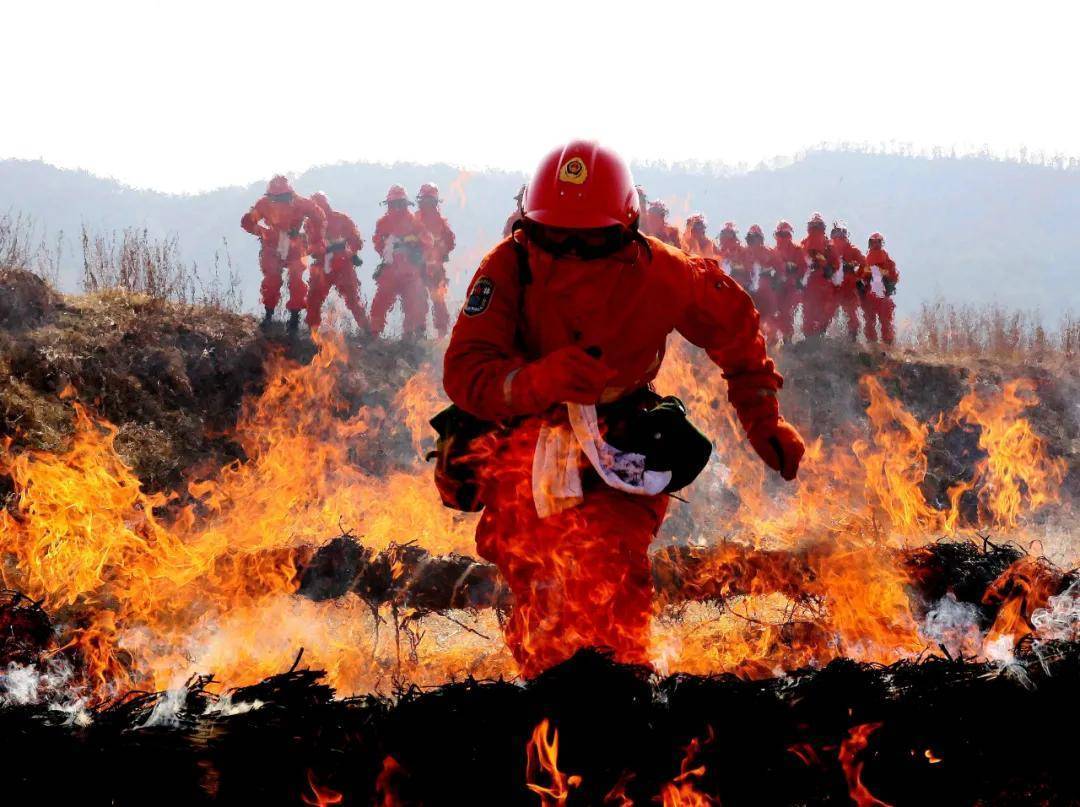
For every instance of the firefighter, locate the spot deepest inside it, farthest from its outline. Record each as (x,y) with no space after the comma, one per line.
(514,217)
(819,283)
(289,228)
(437,253)
(851,260)
(656,224)
(337,268)
(792,259)
(564,327)
(762,277)
(696,239)
(876,285)
(400,240)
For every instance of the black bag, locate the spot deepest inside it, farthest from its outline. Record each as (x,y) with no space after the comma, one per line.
(455,474)
(659,429)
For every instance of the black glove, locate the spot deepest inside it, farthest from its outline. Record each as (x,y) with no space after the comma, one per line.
(378,271)
(357,260)
(849,268)
(828,270)
(890,287)
(860,286)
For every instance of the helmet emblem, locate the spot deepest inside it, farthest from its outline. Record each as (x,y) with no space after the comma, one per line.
(574,171)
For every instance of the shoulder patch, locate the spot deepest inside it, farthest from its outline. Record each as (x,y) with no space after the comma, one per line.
(480,297)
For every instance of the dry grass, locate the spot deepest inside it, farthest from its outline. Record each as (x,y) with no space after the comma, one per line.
(136,262)
(991,331)
(24,245)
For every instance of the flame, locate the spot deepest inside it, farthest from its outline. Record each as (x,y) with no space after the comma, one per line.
(321,796)
(457,188)
(541,761)
(850,749)
(150,588)
(386,791)
(682,791)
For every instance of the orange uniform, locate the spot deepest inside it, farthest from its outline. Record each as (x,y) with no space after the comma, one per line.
(289,227)
(401,242)
(581,577)
(762,276)
(791,258)
(695,238)
(851,259)
(878,277)
(819,294)
(337,269)
(655,224)
(437,253)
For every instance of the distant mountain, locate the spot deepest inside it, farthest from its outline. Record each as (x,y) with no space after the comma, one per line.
(970,229)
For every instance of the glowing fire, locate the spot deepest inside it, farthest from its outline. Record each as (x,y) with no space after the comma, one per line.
(682,791)
(151,587)
(850,751)
(542,762)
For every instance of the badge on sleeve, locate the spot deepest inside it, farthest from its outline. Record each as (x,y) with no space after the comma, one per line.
(479,297)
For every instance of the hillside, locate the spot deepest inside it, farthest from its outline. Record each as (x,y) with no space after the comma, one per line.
(969,229)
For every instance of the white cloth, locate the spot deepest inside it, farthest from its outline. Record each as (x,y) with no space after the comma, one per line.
(283,244)
(755,277)
(556,477)
(877,282)
(838,277)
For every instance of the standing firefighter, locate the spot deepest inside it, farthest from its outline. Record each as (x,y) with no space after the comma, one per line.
(289,228)
(763,274)
(514,217)
(877,285)
(559,340)
(437,253)
(696,239)
(851,260)
(820,282)
(337,268)
(656,224)
(792,259)
(399,240)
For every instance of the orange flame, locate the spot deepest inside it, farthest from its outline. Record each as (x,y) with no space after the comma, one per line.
(850,749)
(682,791)
(321,796)
(542,760)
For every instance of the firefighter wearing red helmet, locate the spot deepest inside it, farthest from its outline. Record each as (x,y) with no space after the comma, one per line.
(337,268)
(401,242)
(792,259)
(695,237)
(561,335)
(441,242)
(851,260)
(762,277)
(819,284)
(877,278)
(289,228)
(656,224)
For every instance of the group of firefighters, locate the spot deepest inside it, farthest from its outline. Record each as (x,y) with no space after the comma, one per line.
(413,250)
(823,274)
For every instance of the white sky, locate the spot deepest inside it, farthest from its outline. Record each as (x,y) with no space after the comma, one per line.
(190,95)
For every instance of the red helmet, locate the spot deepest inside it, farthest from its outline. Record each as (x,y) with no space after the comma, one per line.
(729,231)
(783,226)
(697,222)
(756,232)
(428,190)
(320,199)
(278,185)
(397,193)
(658,207)
(816,222)
(877,237)
(839,228)
(582,185)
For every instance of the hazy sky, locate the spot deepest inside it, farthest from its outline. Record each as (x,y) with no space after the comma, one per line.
(189,95)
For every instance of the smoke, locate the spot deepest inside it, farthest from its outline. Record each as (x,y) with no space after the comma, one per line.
(953,625)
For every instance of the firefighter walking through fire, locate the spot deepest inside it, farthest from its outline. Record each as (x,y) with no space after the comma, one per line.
(562,332)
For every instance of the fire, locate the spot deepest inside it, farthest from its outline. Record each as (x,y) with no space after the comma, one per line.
(682,790)
(850,750)
(386,793)
(457,188)
(150,588)
(542,762)
(321,796)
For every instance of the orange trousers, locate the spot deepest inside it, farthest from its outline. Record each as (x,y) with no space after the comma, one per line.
(273,267)
(580,578)
(878,309)
(400,280)
(342,276)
